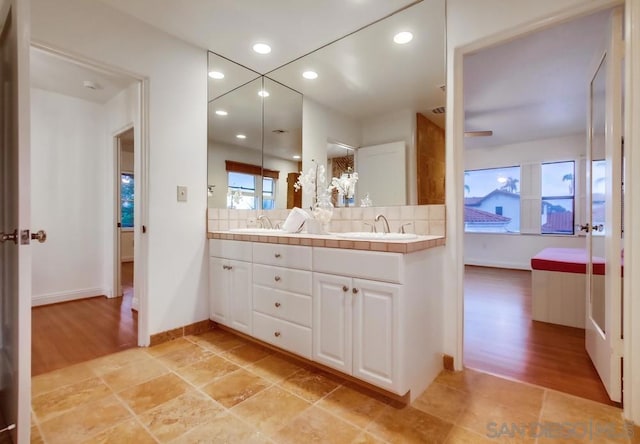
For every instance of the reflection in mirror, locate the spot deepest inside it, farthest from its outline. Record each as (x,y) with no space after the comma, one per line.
(282,146)
(368,92)
(340,163)
(598,179)
(235,148)
(225,76)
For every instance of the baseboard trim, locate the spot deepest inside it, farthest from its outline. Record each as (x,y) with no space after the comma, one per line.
(65,296)
(191,329)
(498,264)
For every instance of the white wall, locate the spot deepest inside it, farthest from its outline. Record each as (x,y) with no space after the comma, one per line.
(177,274)
(472,25)
(67,196)
(392,127)
(515,250)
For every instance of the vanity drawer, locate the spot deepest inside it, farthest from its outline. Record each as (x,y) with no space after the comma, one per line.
(230,249)
(282,304)
(374,265)
(295,281)
(283,334)
(289,256)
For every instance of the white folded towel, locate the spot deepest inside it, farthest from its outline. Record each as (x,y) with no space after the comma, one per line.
(295,220)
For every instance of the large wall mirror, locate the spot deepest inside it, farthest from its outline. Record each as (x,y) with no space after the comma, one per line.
(375,106)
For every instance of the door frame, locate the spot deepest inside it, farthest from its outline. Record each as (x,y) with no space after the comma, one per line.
(141,154)
(117,231)
(454,256)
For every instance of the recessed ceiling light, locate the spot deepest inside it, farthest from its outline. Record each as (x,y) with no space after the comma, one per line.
(296,157)
(263,93)
(221,112)
(262,48)
(241,136)
(311,75)
(216,75)
(403,37)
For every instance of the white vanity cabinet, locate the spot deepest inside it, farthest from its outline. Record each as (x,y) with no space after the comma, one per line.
(376,316)
(282,302)
(230,277)
(357,323)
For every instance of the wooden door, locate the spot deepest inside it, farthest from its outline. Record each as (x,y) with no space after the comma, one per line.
(430,152)
(294,198)
(15,248)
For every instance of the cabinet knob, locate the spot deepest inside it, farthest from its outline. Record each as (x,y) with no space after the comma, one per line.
(277,304)
(277,278)
(345,288)
(277,255)
(355,290)
(277,334)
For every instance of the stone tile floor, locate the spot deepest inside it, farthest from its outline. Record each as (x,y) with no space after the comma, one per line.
(219,388)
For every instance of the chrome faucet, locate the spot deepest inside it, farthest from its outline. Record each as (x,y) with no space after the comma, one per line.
(265,222)
(385,227)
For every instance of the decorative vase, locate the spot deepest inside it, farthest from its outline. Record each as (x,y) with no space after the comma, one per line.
(322,213)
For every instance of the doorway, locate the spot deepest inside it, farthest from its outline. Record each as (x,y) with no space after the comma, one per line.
(524,190)
(79,312)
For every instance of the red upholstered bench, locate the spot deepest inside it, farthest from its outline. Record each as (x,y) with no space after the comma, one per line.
(566,260)
(558,285)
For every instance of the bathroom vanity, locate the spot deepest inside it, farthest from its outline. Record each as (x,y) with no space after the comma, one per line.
(371,310)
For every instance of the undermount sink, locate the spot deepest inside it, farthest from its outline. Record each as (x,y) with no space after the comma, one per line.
(256,230)
(367,235)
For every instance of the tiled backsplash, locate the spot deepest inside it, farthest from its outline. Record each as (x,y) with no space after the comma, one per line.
(424,219)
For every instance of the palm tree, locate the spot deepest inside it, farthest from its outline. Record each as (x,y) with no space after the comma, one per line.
(510,185)
(466,188)
(569,178)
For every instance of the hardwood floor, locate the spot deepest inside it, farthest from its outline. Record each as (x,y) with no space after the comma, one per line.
(71,332)
(501,338)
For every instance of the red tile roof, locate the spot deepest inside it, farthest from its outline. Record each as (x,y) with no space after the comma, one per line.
(559,222)
(473,215)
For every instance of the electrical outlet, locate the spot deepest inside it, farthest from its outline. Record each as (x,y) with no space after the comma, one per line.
(182,194)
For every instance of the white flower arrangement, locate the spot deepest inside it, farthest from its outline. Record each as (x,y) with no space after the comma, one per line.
(345,184)
(313,182)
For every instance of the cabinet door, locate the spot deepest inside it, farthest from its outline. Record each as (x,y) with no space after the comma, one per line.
(376,354)
(218,290)
(332,321)
(239,299)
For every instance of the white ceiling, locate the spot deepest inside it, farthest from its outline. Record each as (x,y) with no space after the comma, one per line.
(57,74)
(231,27)
(535,87)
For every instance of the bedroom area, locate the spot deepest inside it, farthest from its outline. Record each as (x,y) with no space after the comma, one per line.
(543,207)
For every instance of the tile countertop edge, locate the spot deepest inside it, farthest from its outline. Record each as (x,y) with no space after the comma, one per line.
(422,242)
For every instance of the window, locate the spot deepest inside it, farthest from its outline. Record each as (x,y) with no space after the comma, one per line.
(268,193)
(241,191)
(557,192)
(492,200)
(126,200)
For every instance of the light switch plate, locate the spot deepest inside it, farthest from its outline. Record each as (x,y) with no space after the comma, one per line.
(182,194)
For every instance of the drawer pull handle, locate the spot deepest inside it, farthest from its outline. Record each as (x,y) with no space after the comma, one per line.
(277,334)
(277,304)
(345,288)
(277,255)
(355,291)
(229,267)
(277,278)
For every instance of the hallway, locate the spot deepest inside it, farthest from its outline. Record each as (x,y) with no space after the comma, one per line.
(71,332)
